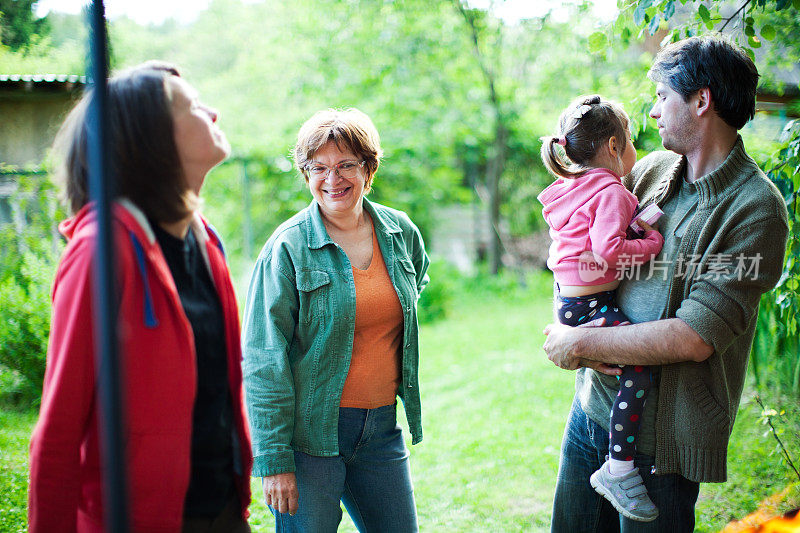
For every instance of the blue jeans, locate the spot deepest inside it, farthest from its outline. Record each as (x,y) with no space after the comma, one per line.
(578,508)
(371,476)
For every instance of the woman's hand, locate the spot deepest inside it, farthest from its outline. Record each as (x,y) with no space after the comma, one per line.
(280,492)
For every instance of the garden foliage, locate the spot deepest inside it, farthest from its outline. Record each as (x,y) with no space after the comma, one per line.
(28,257)
(425,87)
(776,356)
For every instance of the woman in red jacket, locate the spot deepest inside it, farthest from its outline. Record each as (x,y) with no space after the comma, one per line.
(186,441)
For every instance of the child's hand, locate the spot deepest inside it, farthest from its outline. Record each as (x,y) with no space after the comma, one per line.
(644,225)
(646,219)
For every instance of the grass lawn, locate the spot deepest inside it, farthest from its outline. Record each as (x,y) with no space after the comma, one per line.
(15,431)
(494,409)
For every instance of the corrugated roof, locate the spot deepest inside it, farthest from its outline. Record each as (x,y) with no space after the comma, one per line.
(44,78)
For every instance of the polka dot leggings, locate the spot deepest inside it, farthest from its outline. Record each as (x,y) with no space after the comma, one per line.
(635,381)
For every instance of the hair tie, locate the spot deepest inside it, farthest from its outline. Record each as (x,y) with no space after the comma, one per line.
(582,110)
(560,140)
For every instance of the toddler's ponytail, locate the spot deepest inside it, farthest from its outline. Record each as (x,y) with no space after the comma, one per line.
(587,124)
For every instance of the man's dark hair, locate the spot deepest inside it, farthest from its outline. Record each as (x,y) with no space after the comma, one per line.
(697,62)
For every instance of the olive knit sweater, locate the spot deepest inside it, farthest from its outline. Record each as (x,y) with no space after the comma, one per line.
(741,220)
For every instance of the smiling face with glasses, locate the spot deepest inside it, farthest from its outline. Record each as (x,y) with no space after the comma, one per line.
(344,169)
(337,180)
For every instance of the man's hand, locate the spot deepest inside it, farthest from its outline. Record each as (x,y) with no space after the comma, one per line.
(561,348)
(603,368)
(280,492)
(560,345)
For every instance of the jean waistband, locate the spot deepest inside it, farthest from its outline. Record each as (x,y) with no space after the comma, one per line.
(375,411)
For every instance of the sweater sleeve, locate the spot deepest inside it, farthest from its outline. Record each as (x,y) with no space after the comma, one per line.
(67,407)
(270,319)
(723,298)
(610,214)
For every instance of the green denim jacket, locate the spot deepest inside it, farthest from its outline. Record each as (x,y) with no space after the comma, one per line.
(297,335)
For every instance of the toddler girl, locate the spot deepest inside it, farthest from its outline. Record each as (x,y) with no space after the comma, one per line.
(589,212)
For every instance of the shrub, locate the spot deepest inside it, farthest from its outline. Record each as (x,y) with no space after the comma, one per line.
(28,258)
(775,359)
(24,328)
(436,298)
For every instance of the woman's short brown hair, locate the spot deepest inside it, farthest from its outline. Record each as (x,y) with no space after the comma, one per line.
(349,129)
(143,158)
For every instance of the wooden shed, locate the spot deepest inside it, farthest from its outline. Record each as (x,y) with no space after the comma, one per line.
(31,109)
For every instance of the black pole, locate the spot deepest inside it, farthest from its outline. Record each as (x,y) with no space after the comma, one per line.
(109,397)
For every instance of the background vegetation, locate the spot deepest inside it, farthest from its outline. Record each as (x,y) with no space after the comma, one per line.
(460,98)
(494,411)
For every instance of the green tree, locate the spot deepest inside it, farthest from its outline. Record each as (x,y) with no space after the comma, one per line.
(19,25)
(482,28)
(410,65)
(29,250)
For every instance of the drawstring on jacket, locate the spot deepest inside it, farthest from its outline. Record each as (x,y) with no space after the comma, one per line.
(211,229)
(150,320)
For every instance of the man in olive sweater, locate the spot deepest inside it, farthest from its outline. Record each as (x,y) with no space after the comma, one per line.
(694,306)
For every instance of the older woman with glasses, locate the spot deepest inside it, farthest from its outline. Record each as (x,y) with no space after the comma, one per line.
(330,341)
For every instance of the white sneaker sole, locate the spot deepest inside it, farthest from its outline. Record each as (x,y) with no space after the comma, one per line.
(605,493)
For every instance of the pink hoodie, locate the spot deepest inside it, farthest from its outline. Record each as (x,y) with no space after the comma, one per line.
(590,215)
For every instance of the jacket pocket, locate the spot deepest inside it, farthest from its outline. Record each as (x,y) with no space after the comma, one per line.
(699,414)
(312,289)
(711,412)
(407,268)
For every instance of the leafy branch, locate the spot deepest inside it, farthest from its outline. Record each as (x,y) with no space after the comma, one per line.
(766,418)
(740,10)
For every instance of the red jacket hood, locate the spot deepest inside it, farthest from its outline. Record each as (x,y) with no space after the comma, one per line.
(562,197)
(133,221)
(123,213)
(81,219)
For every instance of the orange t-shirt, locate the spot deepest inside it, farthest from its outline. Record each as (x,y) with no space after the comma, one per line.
(374,373)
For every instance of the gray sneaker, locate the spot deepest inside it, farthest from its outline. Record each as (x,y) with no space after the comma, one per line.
(626,493)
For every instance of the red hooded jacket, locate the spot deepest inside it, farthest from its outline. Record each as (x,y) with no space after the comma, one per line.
(158,367)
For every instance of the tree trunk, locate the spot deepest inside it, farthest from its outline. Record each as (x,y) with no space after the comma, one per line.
(497,160)
(495,171)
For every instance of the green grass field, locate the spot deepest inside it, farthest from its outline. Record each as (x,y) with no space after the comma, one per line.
(15,430)
(494,409)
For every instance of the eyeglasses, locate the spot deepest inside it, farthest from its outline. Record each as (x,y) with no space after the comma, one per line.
(343,169)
